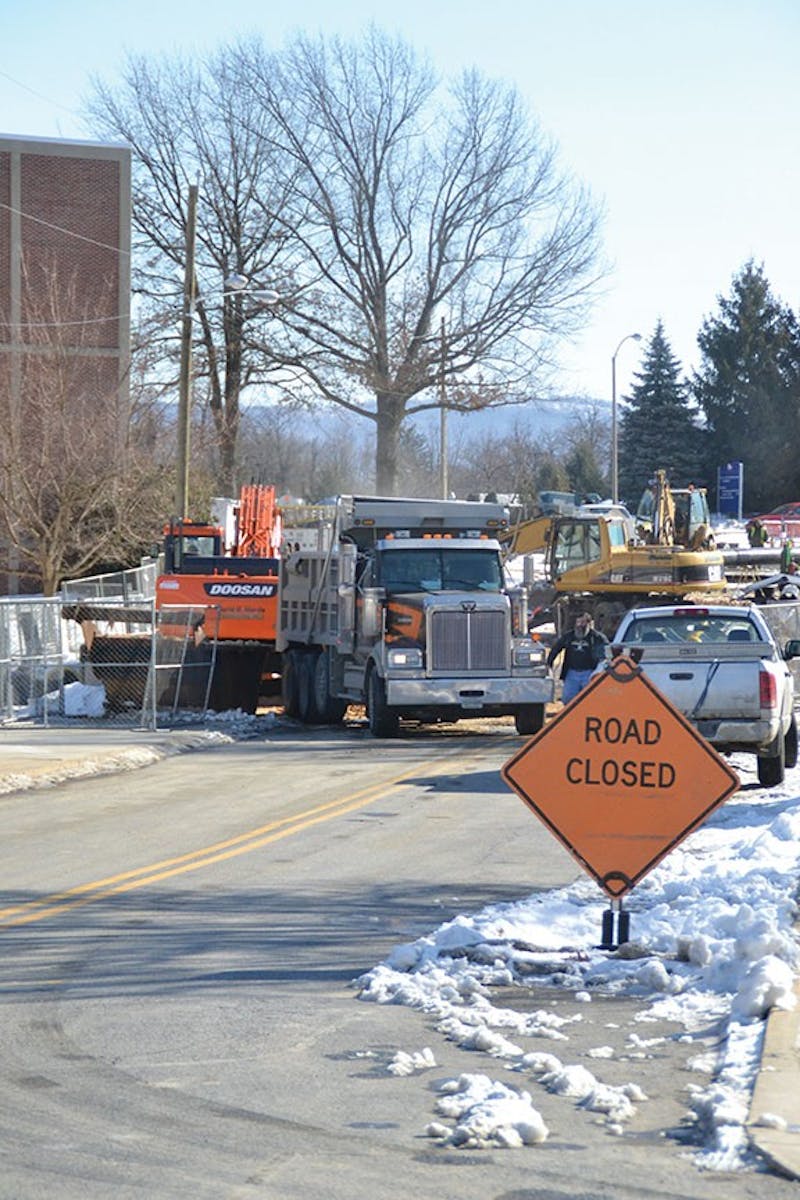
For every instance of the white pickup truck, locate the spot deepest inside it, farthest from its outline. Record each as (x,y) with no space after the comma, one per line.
(721,667)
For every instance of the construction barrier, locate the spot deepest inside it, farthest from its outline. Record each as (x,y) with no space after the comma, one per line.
(99,657)
(34,659)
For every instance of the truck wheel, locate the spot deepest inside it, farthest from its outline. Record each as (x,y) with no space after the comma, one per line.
(306,703)
(771,770)
(331,709)
(529,719)
(790,744)
(289,689)
(383,723)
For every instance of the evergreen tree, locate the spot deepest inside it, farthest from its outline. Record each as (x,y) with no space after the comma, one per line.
(580,463)
(658,426)
(748,387)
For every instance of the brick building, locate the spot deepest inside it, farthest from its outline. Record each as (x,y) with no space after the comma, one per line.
(65,231)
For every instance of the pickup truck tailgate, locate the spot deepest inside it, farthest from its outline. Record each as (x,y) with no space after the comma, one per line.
(708,680)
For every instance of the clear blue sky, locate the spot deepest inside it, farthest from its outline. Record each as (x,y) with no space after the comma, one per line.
(682,117)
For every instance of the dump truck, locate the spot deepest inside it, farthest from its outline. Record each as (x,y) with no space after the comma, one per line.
(407,611)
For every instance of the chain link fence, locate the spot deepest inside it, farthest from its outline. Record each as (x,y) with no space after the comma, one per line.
(783,618)
(101,650)
(35,661)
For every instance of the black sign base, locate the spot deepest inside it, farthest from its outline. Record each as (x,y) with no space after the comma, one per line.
(623,924)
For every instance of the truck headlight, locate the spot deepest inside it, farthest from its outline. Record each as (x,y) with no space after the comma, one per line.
(406,656)
(528,656)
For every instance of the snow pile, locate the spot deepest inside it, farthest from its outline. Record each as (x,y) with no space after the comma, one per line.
(714,943)
(615,1103)
(407,1064)
(486,1115)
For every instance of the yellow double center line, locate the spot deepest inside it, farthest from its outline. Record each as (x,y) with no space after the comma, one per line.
(195,860)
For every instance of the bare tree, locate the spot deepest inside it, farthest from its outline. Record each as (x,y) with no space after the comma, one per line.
(79,486)
(437,249)
(188,122)
(426,247)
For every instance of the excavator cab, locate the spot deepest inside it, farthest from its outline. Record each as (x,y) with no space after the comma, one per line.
(582,546)
(692,518)
(186,543)
(576,544)
(668,516)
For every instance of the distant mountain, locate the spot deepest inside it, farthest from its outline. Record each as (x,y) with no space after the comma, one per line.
(546,416)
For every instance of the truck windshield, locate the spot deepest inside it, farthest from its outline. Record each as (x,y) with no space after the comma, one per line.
(440,569)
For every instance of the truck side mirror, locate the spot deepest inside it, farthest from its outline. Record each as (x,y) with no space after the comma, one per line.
(792,649)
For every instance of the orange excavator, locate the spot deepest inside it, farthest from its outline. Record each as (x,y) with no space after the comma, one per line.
(229,572)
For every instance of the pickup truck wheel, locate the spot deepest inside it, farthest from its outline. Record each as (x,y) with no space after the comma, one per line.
(771,770)
(529,719)
(790,744)
(383,723)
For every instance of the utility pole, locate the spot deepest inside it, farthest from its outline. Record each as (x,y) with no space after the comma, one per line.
(185,380)
(443,419)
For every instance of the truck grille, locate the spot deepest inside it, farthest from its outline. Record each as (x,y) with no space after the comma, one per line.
(469,641)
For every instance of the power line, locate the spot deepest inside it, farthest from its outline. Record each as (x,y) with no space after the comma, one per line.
(60,324)
(39,95)
(60,229)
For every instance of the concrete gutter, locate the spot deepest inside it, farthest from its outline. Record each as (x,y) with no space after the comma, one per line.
(774,1121)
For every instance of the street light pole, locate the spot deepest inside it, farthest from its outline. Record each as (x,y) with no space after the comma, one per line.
(636,337)
(185,379)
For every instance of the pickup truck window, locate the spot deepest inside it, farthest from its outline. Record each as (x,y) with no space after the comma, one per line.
(690,628)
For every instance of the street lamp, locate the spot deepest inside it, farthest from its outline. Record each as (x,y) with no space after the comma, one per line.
(240,285)
(635,337)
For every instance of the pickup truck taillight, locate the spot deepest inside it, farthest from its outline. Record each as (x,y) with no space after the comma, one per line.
(767,690)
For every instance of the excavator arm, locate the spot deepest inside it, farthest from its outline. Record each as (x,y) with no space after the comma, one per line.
(528,537)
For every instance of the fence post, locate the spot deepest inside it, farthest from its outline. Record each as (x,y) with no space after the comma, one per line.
(151,691)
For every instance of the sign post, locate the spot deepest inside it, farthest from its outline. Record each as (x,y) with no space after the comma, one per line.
(620,777)
(730,481)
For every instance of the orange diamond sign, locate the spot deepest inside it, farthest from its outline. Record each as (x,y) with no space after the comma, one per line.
(620,777)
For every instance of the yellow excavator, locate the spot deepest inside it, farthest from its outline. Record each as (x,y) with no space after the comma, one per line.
(599,558)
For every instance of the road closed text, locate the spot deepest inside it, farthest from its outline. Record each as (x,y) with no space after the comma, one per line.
(627,756)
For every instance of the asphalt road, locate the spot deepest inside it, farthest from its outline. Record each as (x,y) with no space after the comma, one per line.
(179,947)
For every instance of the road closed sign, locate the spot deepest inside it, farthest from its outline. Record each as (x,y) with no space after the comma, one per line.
(620,777)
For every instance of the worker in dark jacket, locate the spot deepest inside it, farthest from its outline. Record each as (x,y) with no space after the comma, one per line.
(584,649)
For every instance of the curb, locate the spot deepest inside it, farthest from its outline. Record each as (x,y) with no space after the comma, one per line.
(773,1124)
(24,774)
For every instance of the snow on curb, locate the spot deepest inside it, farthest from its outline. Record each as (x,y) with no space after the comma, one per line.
(715,943)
